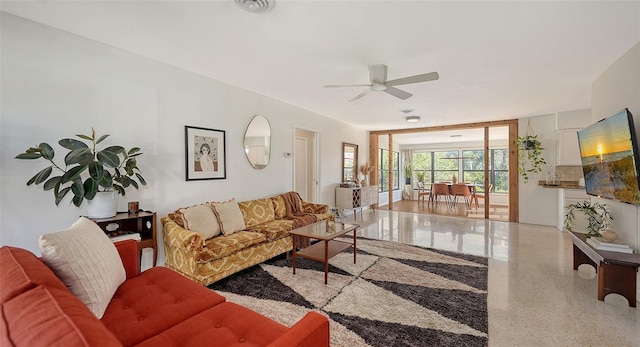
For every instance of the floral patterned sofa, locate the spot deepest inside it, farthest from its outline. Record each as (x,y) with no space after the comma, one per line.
(257,232)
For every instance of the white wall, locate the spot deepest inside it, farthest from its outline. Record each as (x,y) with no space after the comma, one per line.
(56,84)
(539,205)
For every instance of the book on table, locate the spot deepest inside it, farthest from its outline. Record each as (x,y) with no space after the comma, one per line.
(603,245)
(128,236)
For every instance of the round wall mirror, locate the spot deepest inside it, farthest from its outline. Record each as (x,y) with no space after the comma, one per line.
(257,142)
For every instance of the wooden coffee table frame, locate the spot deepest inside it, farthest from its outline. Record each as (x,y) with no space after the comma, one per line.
(327,247)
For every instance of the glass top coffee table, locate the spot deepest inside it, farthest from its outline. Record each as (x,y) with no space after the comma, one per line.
(328,247)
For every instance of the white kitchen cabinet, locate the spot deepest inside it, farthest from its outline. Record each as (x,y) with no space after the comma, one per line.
(568,148)
(356,198)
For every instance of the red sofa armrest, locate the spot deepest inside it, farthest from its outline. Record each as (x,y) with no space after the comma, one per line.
(128,250)
(311,331)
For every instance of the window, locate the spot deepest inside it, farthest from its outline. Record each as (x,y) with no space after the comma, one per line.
(383,173)
(445,165)
(422,167)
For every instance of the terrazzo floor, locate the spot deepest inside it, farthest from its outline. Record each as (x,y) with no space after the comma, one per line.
(535,297)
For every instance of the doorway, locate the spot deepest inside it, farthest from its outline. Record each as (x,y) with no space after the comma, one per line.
(305,164)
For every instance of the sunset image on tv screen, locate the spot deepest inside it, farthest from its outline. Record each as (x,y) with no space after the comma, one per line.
(608,162)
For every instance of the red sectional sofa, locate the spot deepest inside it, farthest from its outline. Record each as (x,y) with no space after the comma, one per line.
(157,307)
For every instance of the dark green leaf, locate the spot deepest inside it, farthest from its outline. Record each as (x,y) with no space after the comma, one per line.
(40,176)
(125,181)
(61,195)
(134,150)
(131,163)
(102,138)
(72,144)
(28,156)
(108,158)
(134,184)
(52,182)
(142,181)
(85,137)
(96,170)
(115,149)
(120,189)
(77,188)
(106,181)
(90,188)
(129,171)
(82,156)
(34,150)
(72,174)
(77,200)
(47,151)
(134,155)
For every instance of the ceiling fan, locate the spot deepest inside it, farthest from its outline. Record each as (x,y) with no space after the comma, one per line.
(379,83)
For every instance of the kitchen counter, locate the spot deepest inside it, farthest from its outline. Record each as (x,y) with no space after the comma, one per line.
(561,184)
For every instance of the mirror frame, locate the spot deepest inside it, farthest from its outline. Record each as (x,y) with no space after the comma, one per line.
(346,146)
(267,147)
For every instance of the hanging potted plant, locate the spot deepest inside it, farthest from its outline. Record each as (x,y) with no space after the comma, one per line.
(407,173)
(97,176)
(599,217)
(530,158)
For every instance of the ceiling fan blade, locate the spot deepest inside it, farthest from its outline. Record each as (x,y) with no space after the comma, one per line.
(377,73)
(431,76)
(398,93)
(360,96)
(345,85)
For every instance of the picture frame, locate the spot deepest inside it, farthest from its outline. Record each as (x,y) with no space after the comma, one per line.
(205,153)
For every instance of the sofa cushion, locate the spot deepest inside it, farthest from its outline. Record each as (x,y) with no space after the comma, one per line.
(201,219)
(257,212)
(279,207)
(21,271)
(229,216)
(227,324)
(47,316)
(86,260)
(155,301)
(225,245)
(274,230)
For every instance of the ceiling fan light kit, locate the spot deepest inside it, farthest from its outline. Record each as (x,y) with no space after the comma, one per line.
(412,119)
(255,6)
(379,83)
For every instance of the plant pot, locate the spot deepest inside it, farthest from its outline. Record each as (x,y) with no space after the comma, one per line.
(407,180)
(103,205)
(529,144)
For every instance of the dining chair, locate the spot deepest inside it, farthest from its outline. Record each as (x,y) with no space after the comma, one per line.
(461,190)
(481,195)
(441,191)
(422,192)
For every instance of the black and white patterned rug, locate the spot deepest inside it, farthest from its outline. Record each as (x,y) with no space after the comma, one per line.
(395,295)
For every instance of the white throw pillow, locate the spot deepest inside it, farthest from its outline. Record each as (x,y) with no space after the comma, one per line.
(86,260)
(229,216)
(201,219)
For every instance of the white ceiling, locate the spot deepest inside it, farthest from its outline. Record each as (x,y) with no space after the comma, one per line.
(496,60)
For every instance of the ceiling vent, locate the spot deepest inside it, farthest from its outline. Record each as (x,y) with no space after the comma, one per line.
(255,6)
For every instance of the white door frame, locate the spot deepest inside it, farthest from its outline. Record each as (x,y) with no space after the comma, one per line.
(315,172)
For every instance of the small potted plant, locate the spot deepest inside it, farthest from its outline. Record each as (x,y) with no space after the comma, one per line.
(420,176)
(407,173)
(599,217)
(88,172)
(530,158)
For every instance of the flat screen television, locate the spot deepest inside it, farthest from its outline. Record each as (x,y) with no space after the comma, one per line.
(610,158)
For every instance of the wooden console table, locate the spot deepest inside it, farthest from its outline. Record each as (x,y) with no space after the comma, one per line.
(616,271)
(143,222)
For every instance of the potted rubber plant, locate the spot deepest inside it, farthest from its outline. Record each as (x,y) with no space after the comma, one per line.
(88,173)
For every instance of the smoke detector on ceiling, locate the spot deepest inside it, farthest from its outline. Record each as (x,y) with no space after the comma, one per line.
(255,6)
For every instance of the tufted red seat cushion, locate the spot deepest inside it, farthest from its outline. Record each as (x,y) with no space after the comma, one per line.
(155,301)
(227,325)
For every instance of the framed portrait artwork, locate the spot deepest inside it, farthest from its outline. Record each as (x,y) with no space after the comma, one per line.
(205,151)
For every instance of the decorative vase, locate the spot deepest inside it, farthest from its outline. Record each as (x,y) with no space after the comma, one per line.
(609,235)
(454,179)
(103,205)
(363,183)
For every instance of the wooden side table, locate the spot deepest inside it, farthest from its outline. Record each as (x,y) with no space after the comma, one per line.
(616,271)
(143,222)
